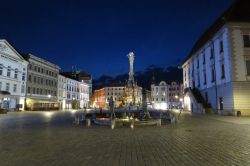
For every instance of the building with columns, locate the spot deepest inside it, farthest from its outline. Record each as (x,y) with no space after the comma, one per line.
(13,75)
(216,73)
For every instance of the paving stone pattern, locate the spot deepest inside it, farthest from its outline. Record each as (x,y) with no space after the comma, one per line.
(33,139)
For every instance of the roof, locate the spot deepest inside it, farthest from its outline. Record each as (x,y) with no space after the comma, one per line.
(239,11)
(28,56)
(77,75)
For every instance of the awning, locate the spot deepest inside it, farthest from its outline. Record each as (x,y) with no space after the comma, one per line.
(4,93)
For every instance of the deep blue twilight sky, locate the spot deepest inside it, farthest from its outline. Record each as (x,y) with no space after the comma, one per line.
(96,35)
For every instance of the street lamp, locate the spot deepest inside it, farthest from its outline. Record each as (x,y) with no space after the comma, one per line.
(49,96)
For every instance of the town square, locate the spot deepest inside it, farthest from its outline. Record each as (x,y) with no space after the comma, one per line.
(125,83)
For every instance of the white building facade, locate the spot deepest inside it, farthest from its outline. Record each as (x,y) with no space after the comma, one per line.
(219,68)
(77,94)
(13,75)
(159,96)
(62,91)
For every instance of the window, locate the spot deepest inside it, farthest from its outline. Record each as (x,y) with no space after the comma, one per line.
(37,90)
(23,89)
(34,79)
(8,71)
(198,63)
(0,86)
(1,69)
(41,91)
(246,40)
(39,69)
(221,47)
(14,87)
(221,103)
(23,77)
(34,90)
(35,68)
(30,66)
(16,73)
(7,88)
(206,97)
(222,71)
(248,67)
(211,53)
(28,89)
(205,77)
(212,75)
(204,58)
(198,79)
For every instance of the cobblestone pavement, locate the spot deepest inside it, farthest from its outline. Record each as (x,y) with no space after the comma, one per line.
(49,138)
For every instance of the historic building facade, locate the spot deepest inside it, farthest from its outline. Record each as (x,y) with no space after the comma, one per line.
(13,75)
(159,95)
(218,66)
(42,84)
(167,96)
(175,95)
(62,91)
(72,94)
(101,97)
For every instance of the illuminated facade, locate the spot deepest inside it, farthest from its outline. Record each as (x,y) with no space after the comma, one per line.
(219,65)
(42,84)
(167,96)
(159,96)
(62,91)
(175,95)
(13,75)
(72,94)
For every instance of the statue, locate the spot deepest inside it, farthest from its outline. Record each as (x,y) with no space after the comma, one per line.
(111,106)
(146,114)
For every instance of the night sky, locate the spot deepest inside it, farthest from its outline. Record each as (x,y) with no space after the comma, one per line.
(96,36)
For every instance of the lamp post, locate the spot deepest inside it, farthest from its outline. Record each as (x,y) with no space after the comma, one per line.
(49,96)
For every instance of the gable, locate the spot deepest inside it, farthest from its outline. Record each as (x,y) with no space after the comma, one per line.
(7,50)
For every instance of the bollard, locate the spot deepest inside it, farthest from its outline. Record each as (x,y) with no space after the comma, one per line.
(159,123)
(88,122)
(112,124)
